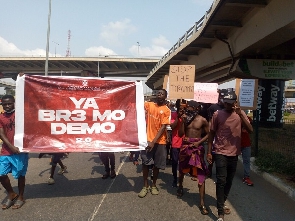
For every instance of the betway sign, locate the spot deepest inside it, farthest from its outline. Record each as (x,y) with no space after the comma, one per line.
(266,68)
(270,103)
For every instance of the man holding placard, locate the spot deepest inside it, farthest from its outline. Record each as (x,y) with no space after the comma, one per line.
(225,130)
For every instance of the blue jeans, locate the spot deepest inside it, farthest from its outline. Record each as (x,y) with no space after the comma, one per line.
(225,171)
(246,154)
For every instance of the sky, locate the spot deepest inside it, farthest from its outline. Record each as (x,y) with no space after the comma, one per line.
(132,28)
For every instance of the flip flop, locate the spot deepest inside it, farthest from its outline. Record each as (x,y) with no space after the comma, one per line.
(18,204)
(203,210)
(226,210)
(8,203)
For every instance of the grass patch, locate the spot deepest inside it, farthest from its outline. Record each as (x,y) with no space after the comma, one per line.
(275,162)
(276,148)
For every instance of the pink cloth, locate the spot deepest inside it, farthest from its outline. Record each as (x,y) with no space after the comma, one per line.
(191,159)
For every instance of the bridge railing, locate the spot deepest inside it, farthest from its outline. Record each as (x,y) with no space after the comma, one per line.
(188,34)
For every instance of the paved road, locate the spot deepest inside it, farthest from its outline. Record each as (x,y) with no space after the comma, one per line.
(81,194)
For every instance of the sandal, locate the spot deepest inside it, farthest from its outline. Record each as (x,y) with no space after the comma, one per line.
(18,204)
(203,210)
(180,191)
(8,203)
(226,210)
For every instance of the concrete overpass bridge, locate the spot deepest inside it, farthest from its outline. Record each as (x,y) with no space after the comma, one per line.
(229,31)
(6,84)
(77,66)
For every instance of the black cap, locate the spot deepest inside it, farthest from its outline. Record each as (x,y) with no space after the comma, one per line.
(229,97)
(192,103)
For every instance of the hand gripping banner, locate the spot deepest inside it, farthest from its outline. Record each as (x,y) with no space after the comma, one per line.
(72,114)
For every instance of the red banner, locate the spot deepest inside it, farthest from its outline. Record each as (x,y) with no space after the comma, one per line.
(70,114)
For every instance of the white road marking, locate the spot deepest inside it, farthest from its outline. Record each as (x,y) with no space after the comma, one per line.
(96,209)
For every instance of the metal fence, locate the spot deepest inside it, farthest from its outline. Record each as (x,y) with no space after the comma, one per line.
(279,140)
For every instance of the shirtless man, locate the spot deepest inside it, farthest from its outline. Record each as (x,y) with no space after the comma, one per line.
(191,156)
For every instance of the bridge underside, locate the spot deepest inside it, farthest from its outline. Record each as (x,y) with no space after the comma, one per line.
(71,66)
(233,29)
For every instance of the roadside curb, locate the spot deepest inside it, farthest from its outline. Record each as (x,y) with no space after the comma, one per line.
(275,181)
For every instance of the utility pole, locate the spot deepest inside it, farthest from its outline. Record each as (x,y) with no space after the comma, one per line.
(138,48)
(48,34)
(68,51)
(55,47)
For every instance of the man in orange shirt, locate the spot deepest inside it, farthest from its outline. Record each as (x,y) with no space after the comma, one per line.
(157,118)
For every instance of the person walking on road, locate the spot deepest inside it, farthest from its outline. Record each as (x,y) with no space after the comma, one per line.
(133,157)
(11,159)
(108,159)
(55,159)
(225,130)
(211,110)
(176,140)
(246,154)
(157,118)
(192,152)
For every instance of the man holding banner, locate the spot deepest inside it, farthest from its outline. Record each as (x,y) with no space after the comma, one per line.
(157,118)
(11,159)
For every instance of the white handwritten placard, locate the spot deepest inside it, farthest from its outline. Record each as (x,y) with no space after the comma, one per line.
(246,96)
(206,92)
(247,91)
(181,81)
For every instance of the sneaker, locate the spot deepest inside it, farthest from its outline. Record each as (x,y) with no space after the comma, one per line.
(62,170)
(154,190)
(50,181)
(143,192)
(246,180)
(174,184)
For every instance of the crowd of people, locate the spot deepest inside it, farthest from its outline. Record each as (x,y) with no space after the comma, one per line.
(196,136)
(223,128)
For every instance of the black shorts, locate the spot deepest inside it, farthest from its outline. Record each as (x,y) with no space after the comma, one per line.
(156,157)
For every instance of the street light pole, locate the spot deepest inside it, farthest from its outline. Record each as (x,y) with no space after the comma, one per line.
(47,44)
(138,48)
(55,47)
